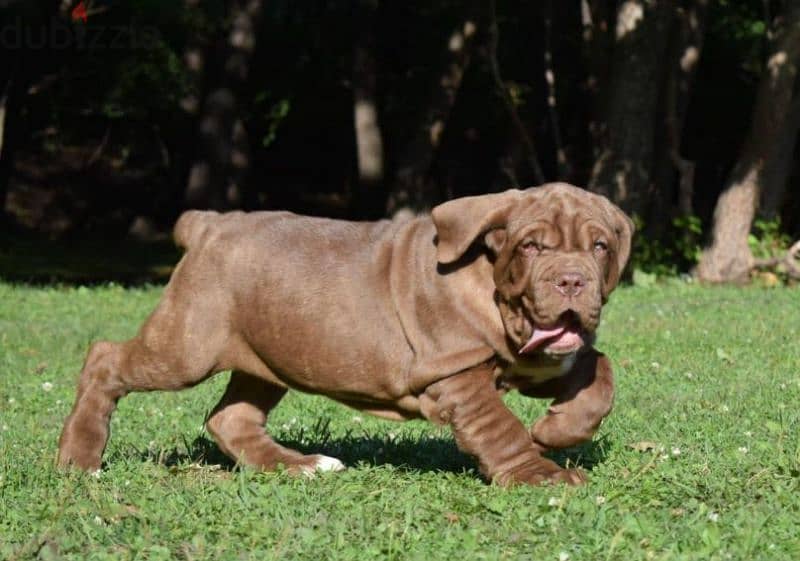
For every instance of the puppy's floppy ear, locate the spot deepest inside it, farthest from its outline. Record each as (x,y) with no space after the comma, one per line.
(459,222)
(624,228)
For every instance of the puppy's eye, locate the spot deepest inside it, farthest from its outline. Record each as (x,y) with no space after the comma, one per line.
(600,246)
(530,247)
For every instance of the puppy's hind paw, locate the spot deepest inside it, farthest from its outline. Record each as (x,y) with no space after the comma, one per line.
(322,464)
(326,463)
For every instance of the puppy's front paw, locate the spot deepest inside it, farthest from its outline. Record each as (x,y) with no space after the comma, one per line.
(539,472)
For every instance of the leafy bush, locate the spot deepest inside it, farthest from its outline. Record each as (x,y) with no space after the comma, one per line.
(678,252)
(767,240)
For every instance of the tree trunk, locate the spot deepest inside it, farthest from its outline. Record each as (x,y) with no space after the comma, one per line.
(20,67)
(6,161)
(488,49)
(728,258)
(585,119)
(597,50)
(369,195)
(413,188)
(778,169)
(563,166)
(623,168)
(683,56)
(218,175)
(518,165)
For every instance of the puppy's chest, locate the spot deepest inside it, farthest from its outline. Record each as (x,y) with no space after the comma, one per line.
(533,371)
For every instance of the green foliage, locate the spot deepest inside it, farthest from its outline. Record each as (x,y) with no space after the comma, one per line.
(767,239)
(699,459)
(271,115)
(654,259)
(679,251)
(157,70)
(739,25)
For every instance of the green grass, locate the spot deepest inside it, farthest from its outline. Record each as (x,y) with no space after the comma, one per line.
(700,458)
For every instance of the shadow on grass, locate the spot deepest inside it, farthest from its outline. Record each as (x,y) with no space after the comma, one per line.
(412,454)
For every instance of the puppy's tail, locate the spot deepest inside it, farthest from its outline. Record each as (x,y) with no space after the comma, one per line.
(191,226)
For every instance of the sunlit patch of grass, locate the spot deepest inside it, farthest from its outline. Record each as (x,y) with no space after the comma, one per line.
(700,458)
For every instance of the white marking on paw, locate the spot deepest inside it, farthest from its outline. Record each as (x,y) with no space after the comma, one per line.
(326,463)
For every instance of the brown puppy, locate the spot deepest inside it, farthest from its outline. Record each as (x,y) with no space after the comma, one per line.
(433,317)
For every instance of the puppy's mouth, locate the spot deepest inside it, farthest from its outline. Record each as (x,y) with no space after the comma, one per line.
(565,337)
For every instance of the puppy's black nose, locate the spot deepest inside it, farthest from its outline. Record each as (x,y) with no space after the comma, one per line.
(570,284)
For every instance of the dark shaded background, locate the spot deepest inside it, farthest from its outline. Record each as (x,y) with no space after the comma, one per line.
(98,147)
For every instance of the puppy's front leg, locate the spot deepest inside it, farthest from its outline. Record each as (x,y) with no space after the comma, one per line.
(485,428)
(583,397)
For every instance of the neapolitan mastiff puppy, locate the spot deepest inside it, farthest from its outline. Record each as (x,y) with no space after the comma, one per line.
(432,317)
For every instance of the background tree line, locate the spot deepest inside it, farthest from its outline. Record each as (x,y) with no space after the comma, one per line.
(116,116)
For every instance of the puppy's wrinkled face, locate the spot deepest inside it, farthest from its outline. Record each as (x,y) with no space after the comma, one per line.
(559,252)
(554,270)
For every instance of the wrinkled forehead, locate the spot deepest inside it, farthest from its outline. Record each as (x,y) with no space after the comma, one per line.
(565,219)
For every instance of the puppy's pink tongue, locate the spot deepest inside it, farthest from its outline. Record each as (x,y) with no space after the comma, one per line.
(539,336)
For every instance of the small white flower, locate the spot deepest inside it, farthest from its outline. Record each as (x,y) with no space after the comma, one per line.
(554,501)
(724,408)
(689,375)
(748,433)
(12,400)
(655,365)
(5,427)
(96,473)
(599,499)
(47,386)
(127,483)
(563,556)
(713,516)
(676,451)
(743,449)
(98,520)
(357,419)
(783,386)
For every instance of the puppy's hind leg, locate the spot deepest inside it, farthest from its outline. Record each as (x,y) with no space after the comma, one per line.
(237,424)
(177,347)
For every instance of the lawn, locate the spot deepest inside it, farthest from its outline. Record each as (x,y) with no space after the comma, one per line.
(700,458)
